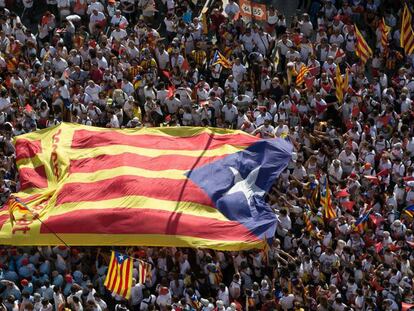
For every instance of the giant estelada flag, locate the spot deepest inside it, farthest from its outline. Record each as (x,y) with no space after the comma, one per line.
(189,187)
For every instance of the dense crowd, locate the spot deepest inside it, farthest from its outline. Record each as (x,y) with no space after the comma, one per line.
(139,63)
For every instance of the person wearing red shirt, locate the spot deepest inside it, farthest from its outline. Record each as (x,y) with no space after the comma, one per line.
(216,19)
(96,74)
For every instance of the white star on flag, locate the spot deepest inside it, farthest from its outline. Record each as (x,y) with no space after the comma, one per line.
(247,186)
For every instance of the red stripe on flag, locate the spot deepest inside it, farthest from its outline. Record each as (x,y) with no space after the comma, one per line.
(3,219)
(204,141)
(135,221)
(121,268)
(111,275)
(127,274)
(139,273)
(27,148)
(127,185)
(107,161)
(33,178)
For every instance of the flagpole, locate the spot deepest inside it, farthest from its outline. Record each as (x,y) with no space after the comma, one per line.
(36,216)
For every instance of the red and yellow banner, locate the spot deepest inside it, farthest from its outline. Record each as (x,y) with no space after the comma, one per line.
(95,186)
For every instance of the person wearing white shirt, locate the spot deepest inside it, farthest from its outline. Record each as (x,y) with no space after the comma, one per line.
(128,87)
(119,19)
(299,171)
(406,103)
(305,26)
(287,301)
(136,294)
(101,60)
(113,121)
(238,70)
(223,295)
(163,58)
(347,158)
(95,5)
(247,41)
(64,8)
(263,116)
(281,130)
(93,90)
(177,60)
(265,130)
(263,41)
(95,19)
(230,113)
(232,84)
(118,34)
(284,44)
(337,38)
(232,9)
(242,101)
(335,171)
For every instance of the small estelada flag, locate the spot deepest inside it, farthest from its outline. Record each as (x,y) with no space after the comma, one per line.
(119,277)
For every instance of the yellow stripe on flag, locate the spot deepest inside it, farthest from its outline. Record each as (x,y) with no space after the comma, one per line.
(362,49)
(164,205)
(407,33)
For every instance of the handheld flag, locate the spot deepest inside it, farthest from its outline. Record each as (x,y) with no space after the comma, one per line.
(15,205)
(407,33)
(221,60)
(144,270)
(362,49)
(300,78)
(276,60)
(406,306)
(171,90)
(308,224)
(385,31)
(265,252)
(339,92)
(119,276)
(409,210)
(185,66)
(187,187)
(312,190)
(326,200)
(362,222)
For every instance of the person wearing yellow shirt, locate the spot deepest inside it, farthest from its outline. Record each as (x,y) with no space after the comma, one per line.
(199,56)
(136,111)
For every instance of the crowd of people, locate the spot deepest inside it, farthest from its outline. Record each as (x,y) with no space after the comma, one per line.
(141,63)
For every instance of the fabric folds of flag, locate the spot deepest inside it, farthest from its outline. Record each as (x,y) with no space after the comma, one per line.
(167,186)
(339,81)
(407,33)
(361,224)
(300,78)
(345,81)
(119,276)
(312,190)
(385,31)
(308,224)
(362,49)
(409,210)
(219,58)
(15,205)
(144,271)
(326,200)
